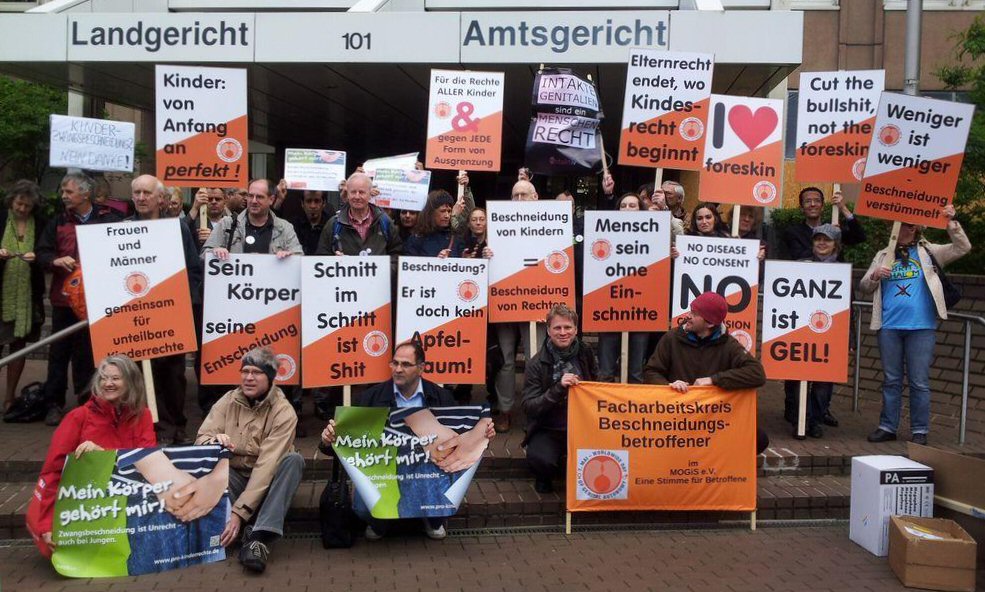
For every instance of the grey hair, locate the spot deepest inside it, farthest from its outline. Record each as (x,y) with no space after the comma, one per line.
(358,175)
(678,189)
(135,398)
(84,181)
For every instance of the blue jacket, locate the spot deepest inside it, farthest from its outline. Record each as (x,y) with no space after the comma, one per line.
(432,244)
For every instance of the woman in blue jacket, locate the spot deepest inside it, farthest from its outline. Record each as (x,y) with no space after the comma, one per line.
(433,236)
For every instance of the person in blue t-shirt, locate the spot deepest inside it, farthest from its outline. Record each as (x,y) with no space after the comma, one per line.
(907,303)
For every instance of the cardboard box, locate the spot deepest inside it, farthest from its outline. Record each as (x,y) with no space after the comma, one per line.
(958,491)
(932,553)
(884,486)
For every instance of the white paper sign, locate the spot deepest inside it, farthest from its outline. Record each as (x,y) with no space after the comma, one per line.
(92,144)
(314,170)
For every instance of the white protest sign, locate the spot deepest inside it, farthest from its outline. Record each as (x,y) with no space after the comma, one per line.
(465,120)
(138,298)
(92,144)
(251,300)
(402,190)
(444,303)
(345,321)
(835,115)
(665,110)
(401,162)
(728,266)
(314,170)
(532,267)
(627,271)
(806,320)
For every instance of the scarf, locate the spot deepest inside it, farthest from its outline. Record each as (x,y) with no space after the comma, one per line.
(562,357)
(17,277)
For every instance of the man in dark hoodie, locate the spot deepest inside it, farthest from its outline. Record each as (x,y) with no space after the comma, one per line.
(702,353)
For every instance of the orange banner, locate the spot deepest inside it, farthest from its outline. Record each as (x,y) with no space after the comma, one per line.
(529,294)
(281,331)
(839,157)
(909,196)
(645,447)
(358,353)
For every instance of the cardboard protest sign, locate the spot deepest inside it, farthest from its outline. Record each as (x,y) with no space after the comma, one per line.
(645,447)
(345,320)
(533,265)
(388,454)
(314,170)
(202,133)
(91,144)
(465,120)
(443,303)
(109,520)
(400,162)
(743,152)
(138,297)
(626,284)
(806,320)
(836,112)
(402,189)
(665,111)
(561,138)
(728,266)
(914,159)
(251,301)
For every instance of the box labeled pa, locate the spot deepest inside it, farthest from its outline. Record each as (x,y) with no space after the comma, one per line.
(884,486)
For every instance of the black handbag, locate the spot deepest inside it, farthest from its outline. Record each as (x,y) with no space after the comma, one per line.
(338,521)
(952,293)
(29,407)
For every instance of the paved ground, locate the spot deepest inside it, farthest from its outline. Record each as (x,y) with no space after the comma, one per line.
(816,559)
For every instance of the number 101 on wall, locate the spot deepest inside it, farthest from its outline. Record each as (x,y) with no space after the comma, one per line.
(357,40)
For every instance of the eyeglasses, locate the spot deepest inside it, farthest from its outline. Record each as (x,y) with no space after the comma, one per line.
(245,372)
(404,365)
(216,199)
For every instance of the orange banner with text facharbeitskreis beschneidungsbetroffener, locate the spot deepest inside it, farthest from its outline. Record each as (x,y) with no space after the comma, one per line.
(645,447)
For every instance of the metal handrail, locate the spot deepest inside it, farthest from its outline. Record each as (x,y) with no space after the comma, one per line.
(968,319)
(14,356)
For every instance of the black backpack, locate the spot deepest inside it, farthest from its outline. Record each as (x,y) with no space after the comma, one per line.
(29,407)
(338,521)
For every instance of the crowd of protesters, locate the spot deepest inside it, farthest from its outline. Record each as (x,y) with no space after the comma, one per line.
(266,218)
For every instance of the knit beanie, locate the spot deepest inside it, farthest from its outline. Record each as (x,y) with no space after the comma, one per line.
(264,359)
(710,306)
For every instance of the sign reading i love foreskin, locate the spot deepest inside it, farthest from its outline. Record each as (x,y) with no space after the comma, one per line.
(743,152)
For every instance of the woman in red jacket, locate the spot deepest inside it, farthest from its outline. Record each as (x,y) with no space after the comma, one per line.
(116,416)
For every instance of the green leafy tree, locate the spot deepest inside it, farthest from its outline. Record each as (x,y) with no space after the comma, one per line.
(25,110)
(970,197)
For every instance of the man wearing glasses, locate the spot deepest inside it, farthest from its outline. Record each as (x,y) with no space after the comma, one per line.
(407,388)
(255,230)
(256,423)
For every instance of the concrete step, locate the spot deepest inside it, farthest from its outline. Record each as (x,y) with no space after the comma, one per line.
(501,503)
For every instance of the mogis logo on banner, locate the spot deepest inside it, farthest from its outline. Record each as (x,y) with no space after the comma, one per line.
(602,474)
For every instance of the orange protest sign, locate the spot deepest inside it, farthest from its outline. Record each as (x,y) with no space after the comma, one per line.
(627,271)
(346,320)
(806,320)
(645,447)
(465,120)
(728,266)
(914,159)
(533,266)
(835,115)
(665,112)
(251,301)
(202,132)
(743,151)
(442,302)
(138,299)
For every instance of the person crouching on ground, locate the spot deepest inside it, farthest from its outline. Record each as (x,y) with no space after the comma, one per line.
(563,362)
(256,422)
(702,353)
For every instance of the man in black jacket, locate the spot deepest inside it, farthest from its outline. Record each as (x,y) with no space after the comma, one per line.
(798,238)
(406,388)
(563,362)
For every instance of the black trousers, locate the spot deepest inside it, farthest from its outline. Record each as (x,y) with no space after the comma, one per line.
(170,385)
(545,453)
(75,349)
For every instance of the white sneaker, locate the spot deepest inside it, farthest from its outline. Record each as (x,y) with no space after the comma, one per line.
(372,535)
(435,533)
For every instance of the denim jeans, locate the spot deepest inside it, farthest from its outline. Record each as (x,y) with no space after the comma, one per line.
(913,350)
(609,345)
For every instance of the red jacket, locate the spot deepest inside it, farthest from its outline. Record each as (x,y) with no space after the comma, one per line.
(98,422)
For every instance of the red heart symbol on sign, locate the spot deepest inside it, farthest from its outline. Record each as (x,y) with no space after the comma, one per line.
(752,128)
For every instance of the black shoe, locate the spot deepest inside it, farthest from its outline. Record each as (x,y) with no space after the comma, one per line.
(829,420)
(54,416)
(253,556)
(544,486)
(881,435)
(815,431)
(920,439)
